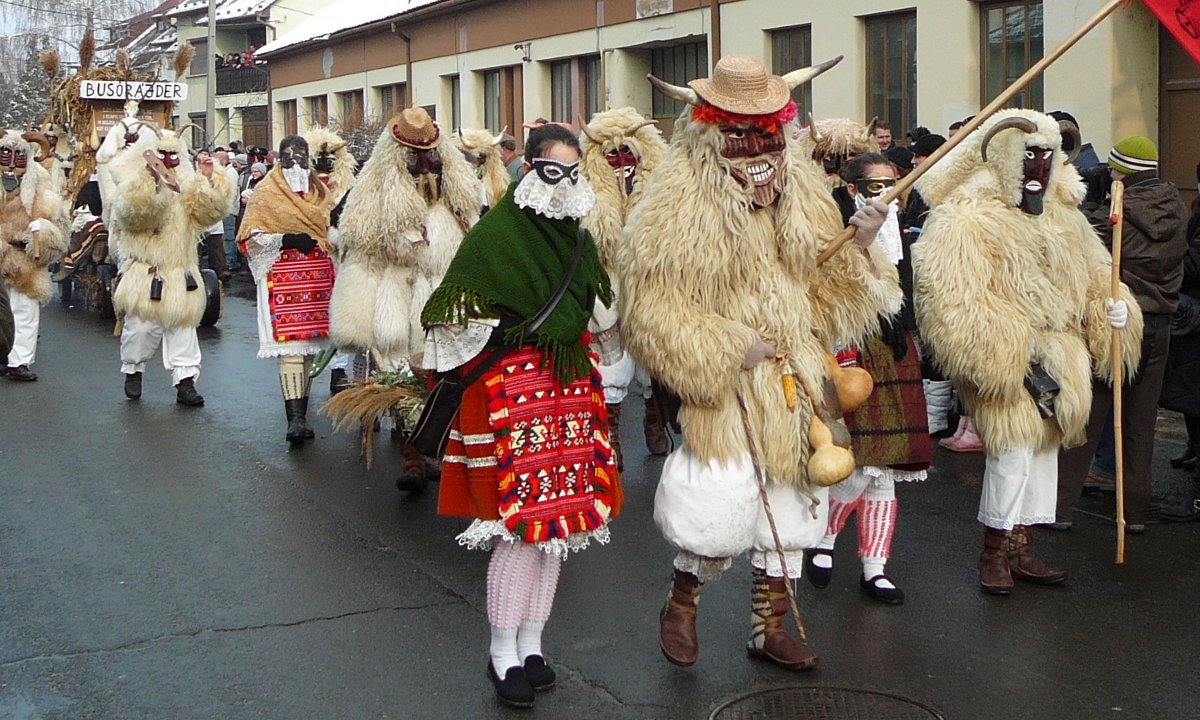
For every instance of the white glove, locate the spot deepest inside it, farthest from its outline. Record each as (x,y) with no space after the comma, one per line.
(759,351)
(35,225)
(1118,313)
(868,221)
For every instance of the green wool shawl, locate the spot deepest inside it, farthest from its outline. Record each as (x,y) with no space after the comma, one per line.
(510,264)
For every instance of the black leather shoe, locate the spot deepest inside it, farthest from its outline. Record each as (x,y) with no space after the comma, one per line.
(890,595)
(185,393)
(133,385)
(538,673)
(817,575)
(294,409)
(21,373)
(514,689)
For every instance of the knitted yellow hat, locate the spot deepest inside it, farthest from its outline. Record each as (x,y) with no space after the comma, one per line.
(1134,154)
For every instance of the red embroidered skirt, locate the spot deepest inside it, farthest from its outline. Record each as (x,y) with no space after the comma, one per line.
(531,453)
(891,429)
(299,286)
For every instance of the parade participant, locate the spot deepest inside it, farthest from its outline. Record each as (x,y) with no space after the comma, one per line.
(529,456)
(158,208)
(722,300)
(1154,245)
(413,202)
(482,150)
(888,432)
(285,235)
(56,157)
(1012,298)
(123,135)
(334,166)
(833,142)
(621,149)
(30,239)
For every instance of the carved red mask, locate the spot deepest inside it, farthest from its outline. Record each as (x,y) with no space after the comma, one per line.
(169,158)
(1037,164)
(756,157)
(12,167)
(624,163)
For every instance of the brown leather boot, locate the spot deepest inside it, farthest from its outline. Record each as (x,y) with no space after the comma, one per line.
(994,574)
(655,427)
(768,639)
(1027,566)
(677,622)
(614,433)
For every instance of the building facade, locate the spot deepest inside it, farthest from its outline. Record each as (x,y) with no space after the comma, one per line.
(497,63)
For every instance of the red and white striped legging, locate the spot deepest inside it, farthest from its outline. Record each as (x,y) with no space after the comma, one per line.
(875,501)
(521,583)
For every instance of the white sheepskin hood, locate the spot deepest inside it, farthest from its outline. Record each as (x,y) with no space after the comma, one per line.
(36,177)
(963,174)
(344,164)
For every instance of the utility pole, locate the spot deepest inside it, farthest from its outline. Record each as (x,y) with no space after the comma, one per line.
(210,93)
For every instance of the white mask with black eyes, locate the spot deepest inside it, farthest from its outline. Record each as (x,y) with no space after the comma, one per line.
(555,190)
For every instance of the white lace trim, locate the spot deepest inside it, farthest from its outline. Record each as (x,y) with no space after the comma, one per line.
(451,346)
(705,568)
(555,201)
(894,475)
(264,249)
(1001,523)
(482,535)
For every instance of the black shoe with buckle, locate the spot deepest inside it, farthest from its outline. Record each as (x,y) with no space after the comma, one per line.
(817,575)
(890,595)
(133,385)
(514,689)
(540,675)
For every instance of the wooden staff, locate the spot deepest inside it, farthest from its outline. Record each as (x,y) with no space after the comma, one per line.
(760,475)
(1001,100)
(1118,222)
(35,237)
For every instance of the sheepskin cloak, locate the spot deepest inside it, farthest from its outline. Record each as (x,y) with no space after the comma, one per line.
(395,248)
(995,287)
(703,275)
(35,199)
(159,229)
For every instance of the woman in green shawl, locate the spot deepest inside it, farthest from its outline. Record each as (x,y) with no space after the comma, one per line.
(529,456)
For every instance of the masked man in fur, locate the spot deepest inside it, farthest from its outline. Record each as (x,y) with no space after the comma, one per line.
(1012,298)
(31,237)
(334,166)
(285,234)
(482,150)
(159,206)
(621,149)
(832,143)
(722,300)
(412,203)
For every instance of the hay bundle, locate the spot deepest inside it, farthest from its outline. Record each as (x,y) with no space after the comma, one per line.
(50,62)
(183,59)
(400,394)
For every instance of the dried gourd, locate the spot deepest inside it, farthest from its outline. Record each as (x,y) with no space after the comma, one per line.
(854,385)
(828,464)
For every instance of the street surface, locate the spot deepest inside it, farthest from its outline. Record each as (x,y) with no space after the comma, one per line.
(165,563)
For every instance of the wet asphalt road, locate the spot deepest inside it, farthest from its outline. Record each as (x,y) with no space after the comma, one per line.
(162,562)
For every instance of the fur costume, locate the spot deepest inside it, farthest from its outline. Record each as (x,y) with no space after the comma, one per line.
(115,143)
(492,172)
(396,247)
(703,274)
(606,133)
(158,231)
(35,199)
(836,140)
(996,286)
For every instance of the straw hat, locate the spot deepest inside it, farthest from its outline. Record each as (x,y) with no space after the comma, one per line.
(742,85)
(413,127)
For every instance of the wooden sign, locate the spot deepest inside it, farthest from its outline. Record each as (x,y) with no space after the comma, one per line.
(144,91)
(105,116)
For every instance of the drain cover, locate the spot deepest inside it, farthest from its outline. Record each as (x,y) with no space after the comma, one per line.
(822,703)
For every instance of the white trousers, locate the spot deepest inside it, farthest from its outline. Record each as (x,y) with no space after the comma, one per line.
(712,512)
(26,314)
(1020,487)
(180,348)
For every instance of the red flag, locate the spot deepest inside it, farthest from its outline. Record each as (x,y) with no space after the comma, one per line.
(1182,19)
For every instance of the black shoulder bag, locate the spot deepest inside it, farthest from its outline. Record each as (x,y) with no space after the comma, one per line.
(431,431)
